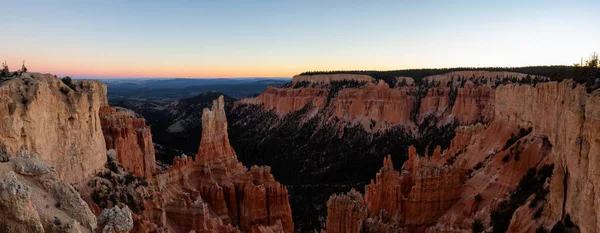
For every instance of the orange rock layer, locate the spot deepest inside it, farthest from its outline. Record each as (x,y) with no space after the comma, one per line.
(131,138)
(411,199)
(376,102)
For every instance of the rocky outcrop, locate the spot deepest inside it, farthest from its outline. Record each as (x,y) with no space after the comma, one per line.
(115,220)
(130,137)
(18,213)
(59,122)
(214,191)
(34,199)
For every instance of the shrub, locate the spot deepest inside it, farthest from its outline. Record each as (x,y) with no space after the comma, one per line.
(96,197)
(65,90)
(478,166)
(538,213)
(477,226)
(69,82)
(129,178)
(57,221)
(559,227)
(478,197)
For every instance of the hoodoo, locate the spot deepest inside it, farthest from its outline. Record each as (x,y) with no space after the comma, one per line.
(130,137)
(215,192)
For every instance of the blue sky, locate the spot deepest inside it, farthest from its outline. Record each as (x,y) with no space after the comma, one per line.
(283,38)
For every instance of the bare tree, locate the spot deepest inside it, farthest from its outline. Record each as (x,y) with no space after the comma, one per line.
(592,61)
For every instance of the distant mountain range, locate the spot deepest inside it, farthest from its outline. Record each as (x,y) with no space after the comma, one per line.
(168,90)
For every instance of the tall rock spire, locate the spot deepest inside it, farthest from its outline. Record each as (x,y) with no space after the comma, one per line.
(215,141)
(215,149)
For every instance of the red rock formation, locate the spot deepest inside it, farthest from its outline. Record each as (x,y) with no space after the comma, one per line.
(448,99)
(130,137)
(346,213)
(413,199)
(215,192)
(378,103)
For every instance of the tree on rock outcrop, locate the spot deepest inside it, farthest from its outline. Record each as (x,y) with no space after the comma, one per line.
(5,71)
(592,61)
(23,68)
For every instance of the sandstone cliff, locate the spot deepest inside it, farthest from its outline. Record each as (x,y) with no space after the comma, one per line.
(463,97)
(43,115)
(130,137)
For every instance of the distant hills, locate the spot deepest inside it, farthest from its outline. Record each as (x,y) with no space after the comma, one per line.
(167,90)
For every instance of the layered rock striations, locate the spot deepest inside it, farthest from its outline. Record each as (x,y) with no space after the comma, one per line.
(464,97)
(59,122)
(131,138)
(215,192)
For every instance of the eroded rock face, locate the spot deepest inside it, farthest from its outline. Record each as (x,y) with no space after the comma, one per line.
(526,127)
(570,118)
(214,192)
(34,199)
(376,106)
(131,138)
(43,115)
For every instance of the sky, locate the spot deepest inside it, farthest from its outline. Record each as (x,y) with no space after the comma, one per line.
(281,38)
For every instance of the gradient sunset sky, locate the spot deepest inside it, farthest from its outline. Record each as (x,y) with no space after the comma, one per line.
(282,38)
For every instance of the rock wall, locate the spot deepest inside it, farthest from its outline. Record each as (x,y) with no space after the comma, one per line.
(286,100)
(131,138)
(448,97)
(60,123)
(570,118)
(378,103)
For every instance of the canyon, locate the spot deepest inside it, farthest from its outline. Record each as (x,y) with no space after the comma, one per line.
(121,189)
(462,151)
(508,129)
